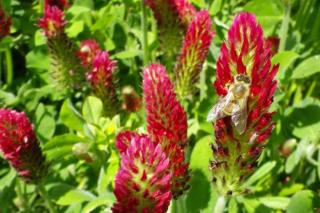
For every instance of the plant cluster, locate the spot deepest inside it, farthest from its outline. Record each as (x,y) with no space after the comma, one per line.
(159,106)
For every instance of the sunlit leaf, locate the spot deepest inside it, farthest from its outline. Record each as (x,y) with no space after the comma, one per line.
(75,196)
(307,67)
(301,202)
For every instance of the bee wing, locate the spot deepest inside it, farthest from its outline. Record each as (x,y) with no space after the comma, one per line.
(239,116)
(216,111)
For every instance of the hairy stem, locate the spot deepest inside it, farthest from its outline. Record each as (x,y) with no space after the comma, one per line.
(144,33)
(284,29)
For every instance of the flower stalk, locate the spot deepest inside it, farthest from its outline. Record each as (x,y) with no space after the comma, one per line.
(9,66)
(144,26)
(284,28)
(45,197)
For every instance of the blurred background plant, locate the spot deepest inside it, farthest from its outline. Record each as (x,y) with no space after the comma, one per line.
(79,140)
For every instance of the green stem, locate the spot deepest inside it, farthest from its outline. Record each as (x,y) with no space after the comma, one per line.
(220,205)
(311,88)
(284,29)
(9,66)
(44,195)
(174,206)
(21,195)
(144,33)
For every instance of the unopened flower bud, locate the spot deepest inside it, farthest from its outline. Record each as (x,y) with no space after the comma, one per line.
(81,151)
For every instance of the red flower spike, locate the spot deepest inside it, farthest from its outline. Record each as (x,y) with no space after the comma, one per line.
(5,23)
(166,122)
(88,51)
(244,59)
(143,181)
(102,82)
(20,146)
(53,22)
(61,4)
(173,18)
(193,54)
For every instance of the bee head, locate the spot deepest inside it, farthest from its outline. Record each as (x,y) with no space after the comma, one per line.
(243,78)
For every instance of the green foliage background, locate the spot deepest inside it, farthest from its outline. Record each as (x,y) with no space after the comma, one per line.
(284,181)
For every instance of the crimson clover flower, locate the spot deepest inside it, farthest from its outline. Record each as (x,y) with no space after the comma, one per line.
(167,123)
(53,22)
(66,69)
(143,182)
(245,85)
(173,18)
(5,23)
(193,54)
(20,146)
(88,51)
(102,81)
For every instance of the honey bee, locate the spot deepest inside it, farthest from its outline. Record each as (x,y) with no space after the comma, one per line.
(234,104)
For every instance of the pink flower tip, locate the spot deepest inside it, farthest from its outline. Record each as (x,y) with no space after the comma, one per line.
(88,51)
(123,140)
(103,68)
(143,181)
(53,22)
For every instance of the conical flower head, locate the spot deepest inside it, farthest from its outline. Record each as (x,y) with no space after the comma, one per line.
(5,23)
(102,81)
(53,22)
(66,70)
(245,85)
(193,54)
(143,181)
(166,122)
(173,18)
(20,146)
(88,51)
